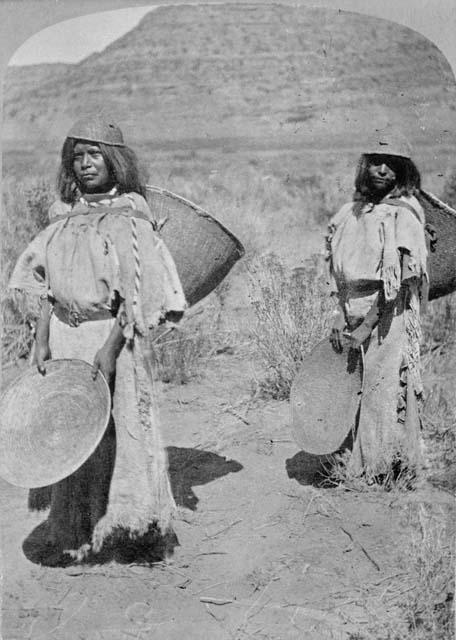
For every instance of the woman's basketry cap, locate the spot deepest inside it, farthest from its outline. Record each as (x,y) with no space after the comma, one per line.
(388,143)
(96,128)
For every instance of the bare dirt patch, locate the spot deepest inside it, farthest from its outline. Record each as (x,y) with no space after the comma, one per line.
(262,553)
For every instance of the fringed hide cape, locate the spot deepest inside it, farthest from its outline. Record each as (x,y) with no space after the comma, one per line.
(380,250)
(124,485)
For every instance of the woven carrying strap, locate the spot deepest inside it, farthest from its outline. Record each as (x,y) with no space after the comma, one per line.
(134,327)
(429,228)
(135,251)
(397,202)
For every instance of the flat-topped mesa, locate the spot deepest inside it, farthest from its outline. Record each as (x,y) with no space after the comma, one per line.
(267,73)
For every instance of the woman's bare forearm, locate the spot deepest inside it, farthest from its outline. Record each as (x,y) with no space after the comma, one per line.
(43,321)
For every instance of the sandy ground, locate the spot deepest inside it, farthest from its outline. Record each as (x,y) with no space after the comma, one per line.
(261,553)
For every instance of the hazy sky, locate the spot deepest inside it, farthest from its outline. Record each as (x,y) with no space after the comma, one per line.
(75,39)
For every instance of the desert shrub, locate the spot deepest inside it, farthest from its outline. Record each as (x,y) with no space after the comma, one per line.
(25,210)
(439,324)
(180,352)
(258,204)
(248,203)
(430,560)
(423,604)
(25,207)
(177,357)
(19,313)
(439,412)
(317,194)
(292,312)
(439,434)
(337,472)
(439,416)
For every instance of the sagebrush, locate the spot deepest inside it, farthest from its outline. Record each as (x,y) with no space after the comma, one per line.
(292,314)
(25,212)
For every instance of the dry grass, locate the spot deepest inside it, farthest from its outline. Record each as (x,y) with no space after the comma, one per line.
(251,204)
(178,355)
(338,473)
(439,368)
(420,605)
(180,352)
(292,315)
(424,607)
(259,203)
(430,606)
(25,206)
(177,359)
(439,326)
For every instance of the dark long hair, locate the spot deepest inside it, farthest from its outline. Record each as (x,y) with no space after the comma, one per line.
(408,179)
(121,162)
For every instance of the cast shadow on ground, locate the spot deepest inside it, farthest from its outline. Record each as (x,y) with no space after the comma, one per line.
(315,470)
(308,469)
(147,549)
(189,467)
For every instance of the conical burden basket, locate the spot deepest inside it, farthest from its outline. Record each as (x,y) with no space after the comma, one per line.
(442,261)
(203,249)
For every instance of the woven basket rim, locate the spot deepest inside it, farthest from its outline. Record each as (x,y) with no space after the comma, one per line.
(199,210)
(55,474)
(308,431)
(436,202)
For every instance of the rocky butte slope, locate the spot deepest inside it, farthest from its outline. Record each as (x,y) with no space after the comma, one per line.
(257,76)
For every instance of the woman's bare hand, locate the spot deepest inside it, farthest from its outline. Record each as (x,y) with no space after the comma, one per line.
(359,335)
(41,354)
(335,336)
(42,350)
(105,361)
(106,357)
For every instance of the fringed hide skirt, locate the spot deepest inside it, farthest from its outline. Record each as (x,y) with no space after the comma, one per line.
(388,431)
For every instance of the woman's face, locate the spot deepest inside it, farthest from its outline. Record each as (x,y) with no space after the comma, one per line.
(90,168)
(382,173)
